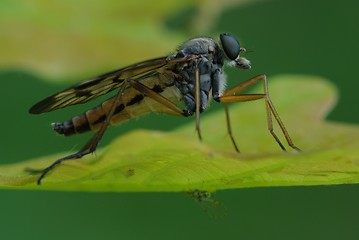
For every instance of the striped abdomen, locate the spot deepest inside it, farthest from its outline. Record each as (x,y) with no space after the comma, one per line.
(132,104)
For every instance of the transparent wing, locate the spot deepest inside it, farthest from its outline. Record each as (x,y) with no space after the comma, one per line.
(101,85)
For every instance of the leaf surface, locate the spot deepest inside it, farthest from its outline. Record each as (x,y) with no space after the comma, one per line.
(176,161)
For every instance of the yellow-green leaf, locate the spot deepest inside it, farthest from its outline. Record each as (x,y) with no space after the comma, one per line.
(177,161)
(68,39)
(83,38)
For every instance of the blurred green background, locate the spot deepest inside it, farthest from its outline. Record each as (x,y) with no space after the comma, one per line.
(46,46)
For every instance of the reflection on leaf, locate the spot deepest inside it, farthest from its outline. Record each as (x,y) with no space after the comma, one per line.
(211,206)
(177,161)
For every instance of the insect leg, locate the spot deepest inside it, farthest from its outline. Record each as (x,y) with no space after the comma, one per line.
(197,96)
(157,97)
(91,145)
(232,95)
(229,128)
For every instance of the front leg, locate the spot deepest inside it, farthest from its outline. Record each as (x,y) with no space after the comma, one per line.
(232,95)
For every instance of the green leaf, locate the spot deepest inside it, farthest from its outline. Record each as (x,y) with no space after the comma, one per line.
(70,39)
(84,38)
(177,161)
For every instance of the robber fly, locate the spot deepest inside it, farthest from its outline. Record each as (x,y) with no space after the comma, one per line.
(192,75)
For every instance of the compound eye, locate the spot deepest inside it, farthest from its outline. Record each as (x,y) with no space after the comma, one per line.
(230,45)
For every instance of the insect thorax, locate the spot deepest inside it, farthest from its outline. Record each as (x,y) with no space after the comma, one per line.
(210,63)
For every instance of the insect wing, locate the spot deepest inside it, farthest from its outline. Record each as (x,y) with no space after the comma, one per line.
(101,85)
